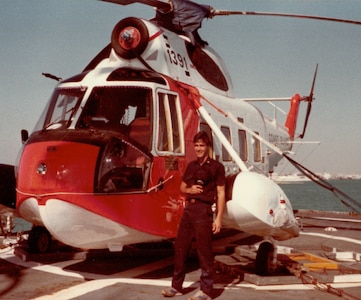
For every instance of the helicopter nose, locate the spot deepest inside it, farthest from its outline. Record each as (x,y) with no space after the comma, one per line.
(57,167)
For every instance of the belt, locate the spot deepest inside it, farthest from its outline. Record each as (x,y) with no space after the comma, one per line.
(192,201)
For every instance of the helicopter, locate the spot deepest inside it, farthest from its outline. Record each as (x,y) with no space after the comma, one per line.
(103,166)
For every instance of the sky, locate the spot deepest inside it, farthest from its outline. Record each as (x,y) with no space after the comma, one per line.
(266,57)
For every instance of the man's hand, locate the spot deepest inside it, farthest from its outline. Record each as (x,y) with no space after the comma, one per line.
(216,226)
(195,189)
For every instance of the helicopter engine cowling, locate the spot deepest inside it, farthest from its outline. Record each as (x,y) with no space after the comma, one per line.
(259,206)
(130,37)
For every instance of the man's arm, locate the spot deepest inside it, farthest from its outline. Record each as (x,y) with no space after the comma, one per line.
(194,189)
(221,203)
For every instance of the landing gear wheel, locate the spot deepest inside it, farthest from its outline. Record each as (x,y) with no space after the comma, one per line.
(39,240)
(264,259)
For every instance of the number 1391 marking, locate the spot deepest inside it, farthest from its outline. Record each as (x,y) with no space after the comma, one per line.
(177,59)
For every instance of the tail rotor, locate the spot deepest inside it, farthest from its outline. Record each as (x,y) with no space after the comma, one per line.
(309,99)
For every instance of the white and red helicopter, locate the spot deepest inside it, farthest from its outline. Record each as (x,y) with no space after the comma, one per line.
(103,166)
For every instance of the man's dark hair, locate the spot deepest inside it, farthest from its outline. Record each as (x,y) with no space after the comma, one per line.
(202,135)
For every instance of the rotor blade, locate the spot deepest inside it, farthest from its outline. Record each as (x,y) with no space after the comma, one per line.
(306,120)
(255,13)
(155,3)
(309,99)
(313,83)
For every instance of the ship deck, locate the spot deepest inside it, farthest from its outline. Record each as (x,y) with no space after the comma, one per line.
(323,262)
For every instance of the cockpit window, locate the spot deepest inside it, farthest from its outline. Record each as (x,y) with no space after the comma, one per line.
(123,168)
(61,108)
(207,67)
(124,110)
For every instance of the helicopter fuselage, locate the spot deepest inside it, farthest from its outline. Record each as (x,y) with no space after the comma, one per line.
(104,163)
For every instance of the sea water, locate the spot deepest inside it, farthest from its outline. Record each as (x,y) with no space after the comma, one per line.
(306,195)
(309,195)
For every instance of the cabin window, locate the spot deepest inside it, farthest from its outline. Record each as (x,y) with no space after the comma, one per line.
(227,133)
(242,140)
(256,149)
(170,126)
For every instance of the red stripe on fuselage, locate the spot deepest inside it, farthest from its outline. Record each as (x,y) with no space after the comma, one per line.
(154,36)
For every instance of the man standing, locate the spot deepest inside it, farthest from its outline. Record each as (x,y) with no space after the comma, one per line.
(203,184)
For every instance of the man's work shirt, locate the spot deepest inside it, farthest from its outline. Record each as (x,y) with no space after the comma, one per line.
(209,175)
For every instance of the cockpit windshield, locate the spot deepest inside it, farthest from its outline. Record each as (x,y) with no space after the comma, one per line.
(124,110)
(61,108)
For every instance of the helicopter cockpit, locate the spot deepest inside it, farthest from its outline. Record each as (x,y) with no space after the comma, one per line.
(118,118)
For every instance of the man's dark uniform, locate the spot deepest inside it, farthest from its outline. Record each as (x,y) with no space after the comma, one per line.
(197,222)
